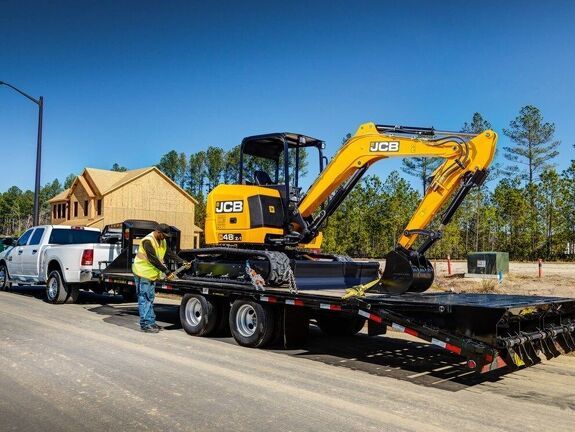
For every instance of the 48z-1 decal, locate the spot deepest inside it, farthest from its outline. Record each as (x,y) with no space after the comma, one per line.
(230,237)
(229,206)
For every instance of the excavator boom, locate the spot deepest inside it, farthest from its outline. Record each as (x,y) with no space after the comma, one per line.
(466,159)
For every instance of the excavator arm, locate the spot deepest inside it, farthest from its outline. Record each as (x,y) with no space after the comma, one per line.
(467,157)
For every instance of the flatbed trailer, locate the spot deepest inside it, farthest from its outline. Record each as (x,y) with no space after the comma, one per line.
(490,331)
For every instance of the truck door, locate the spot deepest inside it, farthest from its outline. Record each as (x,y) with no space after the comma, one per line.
(14,257)
(31,254)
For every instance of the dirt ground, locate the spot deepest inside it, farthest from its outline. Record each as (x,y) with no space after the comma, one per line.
(558,279)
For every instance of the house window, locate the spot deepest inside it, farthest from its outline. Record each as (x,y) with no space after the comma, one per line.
(67,210)
(59,206)
(99,207)
(85,208)
(54,211)
(75,209)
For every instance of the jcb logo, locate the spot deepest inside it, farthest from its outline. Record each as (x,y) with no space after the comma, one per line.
(229,206)
(384,146)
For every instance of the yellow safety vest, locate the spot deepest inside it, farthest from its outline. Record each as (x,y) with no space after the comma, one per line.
(142,267)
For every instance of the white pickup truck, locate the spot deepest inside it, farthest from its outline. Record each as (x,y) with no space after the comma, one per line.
(64,258)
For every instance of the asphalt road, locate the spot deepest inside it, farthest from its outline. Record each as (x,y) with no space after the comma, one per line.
(86,367)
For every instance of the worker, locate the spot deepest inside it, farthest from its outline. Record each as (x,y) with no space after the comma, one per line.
(149,267)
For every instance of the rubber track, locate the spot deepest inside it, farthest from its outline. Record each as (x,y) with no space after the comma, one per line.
(279,262)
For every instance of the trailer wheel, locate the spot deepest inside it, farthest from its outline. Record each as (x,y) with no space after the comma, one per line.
(251,323)
(57,291)
(5,284)
(198,315)
(340,326)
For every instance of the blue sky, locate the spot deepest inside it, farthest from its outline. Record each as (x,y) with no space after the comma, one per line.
(127,81)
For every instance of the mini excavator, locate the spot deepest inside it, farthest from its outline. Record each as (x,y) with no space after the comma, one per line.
(266,226)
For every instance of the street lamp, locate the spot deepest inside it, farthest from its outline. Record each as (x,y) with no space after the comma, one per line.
(40,103)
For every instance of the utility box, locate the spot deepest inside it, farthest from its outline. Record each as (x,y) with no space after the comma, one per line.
(488,263)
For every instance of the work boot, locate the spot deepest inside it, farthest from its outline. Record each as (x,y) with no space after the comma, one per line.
(150,329)
(157,326)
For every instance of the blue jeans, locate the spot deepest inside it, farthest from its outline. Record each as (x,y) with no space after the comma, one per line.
(146,290)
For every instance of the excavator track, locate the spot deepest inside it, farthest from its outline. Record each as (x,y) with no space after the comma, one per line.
(226,263)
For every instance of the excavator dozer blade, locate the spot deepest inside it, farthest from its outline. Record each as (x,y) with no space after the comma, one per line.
(405,274)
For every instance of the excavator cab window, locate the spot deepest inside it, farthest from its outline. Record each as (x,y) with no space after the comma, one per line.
(274,160)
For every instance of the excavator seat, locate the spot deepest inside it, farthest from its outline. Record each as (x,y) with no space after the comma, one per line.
(262,178)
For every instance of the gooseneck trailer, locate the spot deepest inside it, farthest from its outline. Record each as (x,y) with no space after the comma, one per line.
(489,330)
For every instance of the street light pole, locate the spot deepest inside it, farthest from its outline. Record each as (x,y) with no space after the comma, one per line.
(40,103)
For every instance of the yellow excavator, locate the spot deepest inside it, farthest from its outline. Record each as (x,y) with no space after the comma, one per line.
(266,226)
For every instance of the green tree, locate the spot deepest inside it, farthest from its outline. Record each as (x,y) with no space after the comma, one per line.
(174,165)
(119,168)
(69,180)
(477,125)
(551,202)
(232,165)
(568,207)
(535,146)
(421,168)
(197,173)
(215,164)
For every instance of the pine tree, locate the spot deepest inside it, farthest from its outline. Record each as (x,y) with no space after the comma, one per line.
(422,168)
(535,146)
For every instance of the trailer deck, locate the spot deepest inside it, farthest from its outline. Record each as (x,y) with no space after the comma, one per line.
(490,330)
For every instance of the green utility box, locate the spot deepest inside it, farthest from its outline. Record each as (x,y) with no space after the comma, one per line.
(489,263)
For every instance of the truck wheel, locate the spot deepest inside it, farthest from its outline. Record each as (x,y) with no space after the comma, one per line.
(251,323)
(5,284)
(340,326)
(198,315)
(57,290)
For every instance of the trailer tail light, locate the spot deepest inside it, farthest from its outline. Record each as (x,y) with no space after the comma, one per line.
(88,257)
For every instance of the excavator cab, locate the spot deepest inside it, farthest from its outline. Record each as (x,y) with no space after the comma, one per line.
(262,208)
(273,160)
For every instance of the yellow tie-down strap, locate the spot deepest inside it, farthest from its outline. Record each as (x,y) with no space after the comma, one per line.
(359,290)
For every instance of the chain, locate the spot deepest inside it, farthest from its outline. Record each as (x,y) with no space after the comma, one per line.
(256,279)
(291,281)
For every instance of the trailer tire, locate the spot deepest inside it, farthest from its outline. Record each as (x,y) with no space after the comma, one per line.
(252,324)
(5,283)
(57,291)
(340,326)
(198,315)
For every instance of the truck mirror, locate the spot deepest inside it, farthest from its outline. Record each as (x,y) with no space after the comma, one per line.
(9,242)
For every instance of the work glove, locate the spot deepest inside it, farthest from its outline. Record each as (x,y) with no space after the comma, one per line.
(187,264)
(170,276)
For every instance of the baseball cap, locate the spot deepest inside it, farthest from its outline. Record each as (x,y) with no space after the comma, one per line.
(165,229)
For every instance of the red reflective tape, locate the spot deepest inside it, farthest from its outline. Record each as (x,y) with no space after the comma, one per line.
(488,358)
(493,365)
(375,318)
(169,287)
(453,348)
(410,331)
(269,299)
(295,302)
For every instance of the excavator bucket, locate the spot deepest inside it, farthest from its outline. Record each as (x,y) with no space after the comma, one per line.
(405,273)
